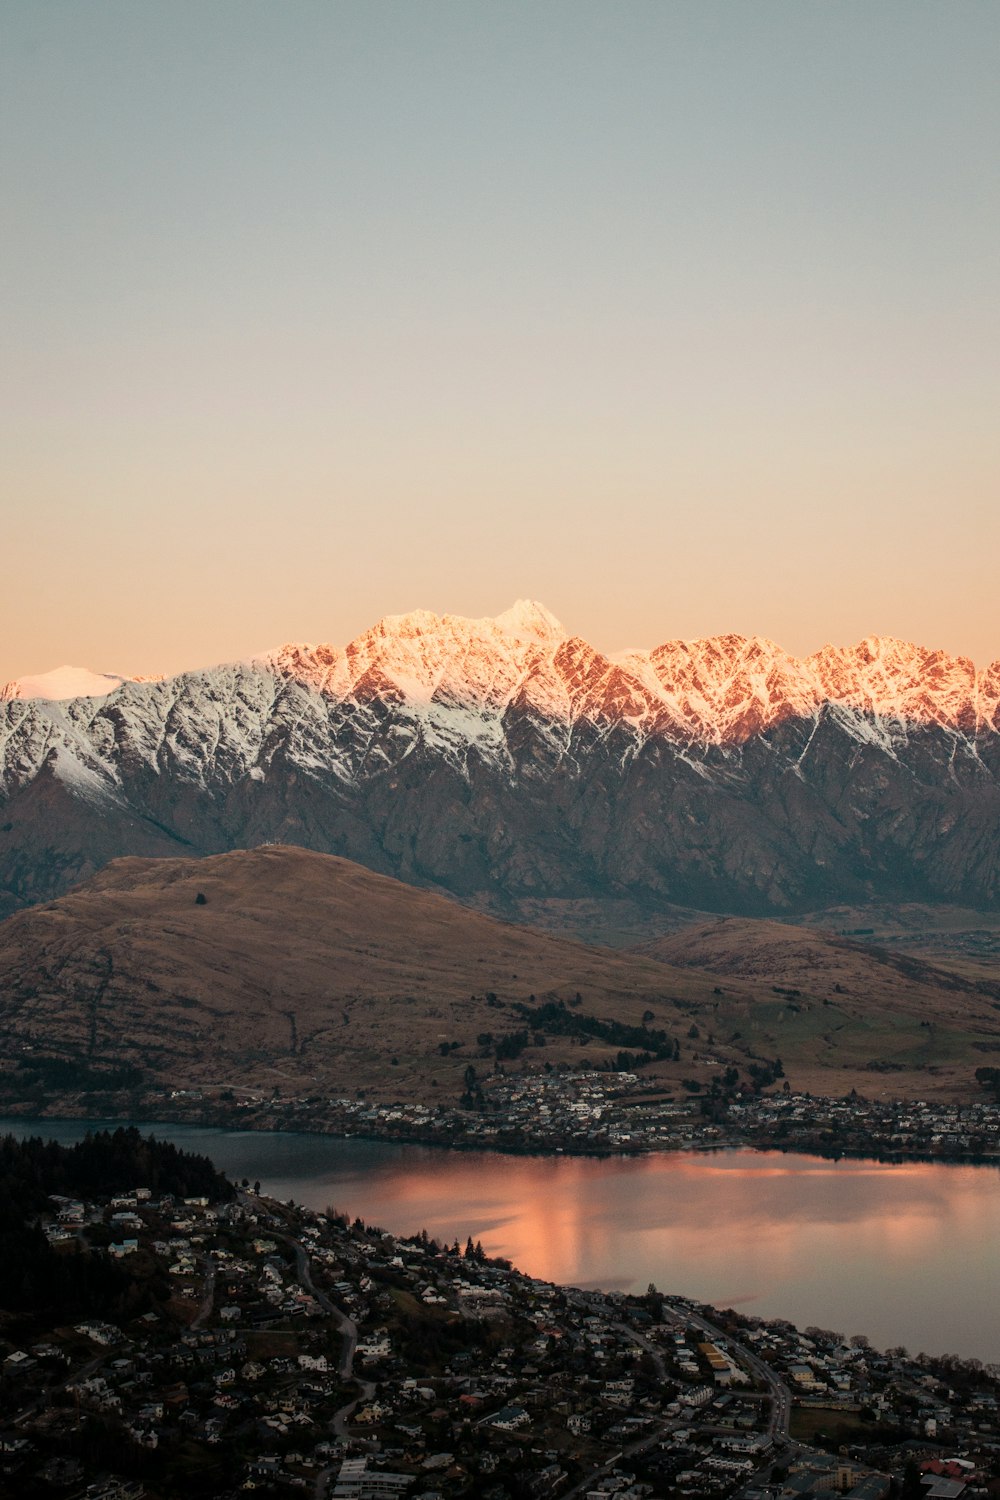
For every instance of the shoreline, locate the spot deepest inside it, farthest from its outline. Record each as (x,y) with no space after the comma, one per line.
(159,1111)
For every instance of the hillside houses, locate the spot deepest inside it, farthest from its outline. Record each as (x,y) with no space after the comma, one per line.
(467,1378)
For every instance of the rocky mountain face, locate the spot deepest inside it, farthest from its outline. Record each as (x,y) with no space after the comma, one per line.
(504,760)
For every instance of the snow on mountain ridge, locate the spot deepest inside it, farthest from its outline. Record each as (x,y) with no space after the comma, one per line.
(455,680)
(495,754)
(528,618)
(63,683)
(430,658)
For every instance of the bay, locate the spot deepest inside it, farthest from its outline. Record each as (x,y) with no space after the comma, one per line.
(906,1254)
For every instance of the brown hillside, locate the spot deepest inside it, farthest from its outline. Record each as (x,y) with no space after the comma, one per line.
(844,1005)
(313,975)
(301,970)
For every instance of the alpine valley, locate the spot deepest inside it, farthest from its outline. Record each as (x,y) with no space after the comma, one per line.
(514,766)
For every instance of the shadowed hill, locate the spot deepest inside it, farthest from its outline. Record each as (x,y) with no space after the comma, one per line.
(282,966)
(279,968)
(820,963)
(889,1012)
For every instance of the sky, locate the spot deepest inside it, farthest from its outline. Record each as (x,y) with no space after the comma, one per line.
(683,318)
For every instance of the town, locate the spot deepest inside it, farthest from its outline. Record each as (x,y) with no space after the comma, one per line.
(287,1350)
(597,1113)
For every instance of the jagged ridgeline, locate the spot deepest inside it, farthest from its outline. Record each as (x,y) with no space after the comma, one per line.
(507,760)
(72,1280)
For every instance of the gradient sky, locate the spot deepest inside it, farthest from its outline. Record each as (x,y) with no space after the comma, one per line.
(680,317)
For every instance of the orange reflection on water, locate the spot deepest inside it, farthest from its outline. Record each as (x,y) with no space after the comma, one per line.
(834,1243)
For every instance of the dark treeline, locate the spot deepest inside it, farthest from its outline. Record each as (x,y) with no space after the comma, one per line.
(73,1280)
(71,1075)
(69,1283)
(556,1019)
(103,1163)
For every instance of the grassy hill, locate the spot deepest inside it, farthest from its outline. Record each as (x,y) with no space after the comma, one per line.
(279,968)
(837,1009)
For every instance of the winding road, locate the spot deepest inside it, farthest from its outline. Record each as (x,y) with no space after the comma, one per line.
(348,1330)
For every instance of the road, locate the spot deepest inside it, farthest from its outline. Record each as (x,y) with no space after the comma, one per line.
(781,1396)
(348,1330)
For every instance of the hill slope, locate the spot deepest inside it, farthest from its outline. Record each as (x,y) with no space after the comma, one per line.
(914,1020)
(297,969)
(309,974)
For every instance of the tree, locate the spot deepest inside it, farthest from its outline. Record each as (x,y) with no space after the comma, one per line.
(912,1488)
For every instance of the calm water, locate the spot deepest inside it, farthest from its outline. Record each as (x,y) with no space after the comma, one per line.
(906,1254)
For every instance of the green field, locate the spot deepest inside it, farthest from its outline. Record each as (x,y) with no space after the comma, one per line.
(809,1421)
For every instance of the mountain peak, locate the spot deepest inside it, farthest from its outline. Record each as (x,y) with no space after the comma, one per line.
(528,618)
(495,757)
(459,676)
(61,683)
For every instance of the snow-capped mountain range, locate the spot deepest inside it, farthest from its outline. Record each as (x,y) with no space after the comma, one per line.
(720,690)
(507,757)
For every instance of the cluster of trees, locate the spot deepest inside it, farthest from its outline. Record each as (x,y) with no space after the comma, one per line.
(556,1018)
(103,1163)
(74,1281)
(765,1072)
(626,1062)
(960,1374)
(472,1097)
(61,1075)
(37,1279)
(989,1078)
(427,1341)
(511,1045)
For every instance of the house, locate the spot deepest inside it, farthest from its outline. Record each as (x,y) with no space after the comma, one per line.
(356,1481)
(510,1418)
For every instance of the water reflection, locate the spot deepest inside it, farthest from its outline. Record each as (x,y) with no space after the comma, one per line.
(905,1254)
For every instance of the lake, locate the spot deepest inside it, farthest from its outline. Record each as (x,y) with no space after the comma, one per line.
(907,1254)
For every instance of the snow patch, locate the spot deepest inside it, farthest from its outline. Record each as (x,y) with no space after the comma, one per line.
(62,683)
(529,620)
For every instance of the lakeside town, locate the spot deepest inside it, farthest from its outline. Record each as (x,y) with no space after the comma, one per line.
(585,1113)
(287,1350)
